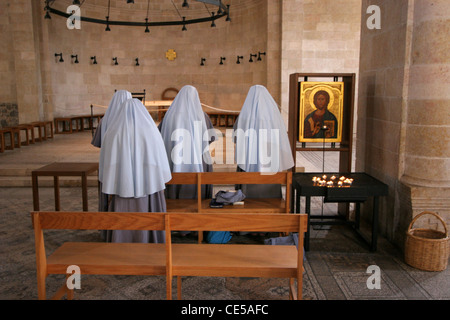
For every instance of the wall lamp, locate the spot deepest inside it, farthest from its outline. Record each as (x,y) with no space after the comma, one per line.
(137,61)
(238,59)
(202,62)
(115,61)
(260,54)
(74,56)
(94,60)
(251,57)
(60,56)
(221,60)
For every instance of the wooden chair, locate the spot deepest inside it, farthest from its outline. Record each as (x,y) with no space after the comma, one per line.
(139,95)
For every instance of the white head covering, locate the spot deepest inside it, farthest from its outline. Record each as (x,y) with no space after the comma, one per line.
(185,133)
(262,144)
(118,98)
(133,161)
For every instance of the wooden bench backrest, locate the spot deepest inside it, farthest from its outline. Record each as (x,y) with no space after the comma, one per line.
(99,220)
(256,222)
(202,178)
(231,178)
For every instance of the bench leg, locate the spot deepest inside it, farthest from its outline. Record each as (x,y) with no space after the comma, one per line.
(179,288)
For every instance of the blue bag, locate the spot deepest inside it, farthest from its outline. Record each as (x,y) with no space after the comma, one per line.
(218,237)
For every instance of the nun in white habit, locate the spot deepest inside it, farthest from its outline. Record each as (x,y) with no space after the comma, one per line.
(134,168)
(118,98)
(187,132)
(261,141)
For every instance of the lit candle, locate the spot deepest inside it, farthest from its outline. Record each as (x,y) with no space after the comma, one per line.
(324,176)
(342,178)
(339,183)
(333,177)
(330,183)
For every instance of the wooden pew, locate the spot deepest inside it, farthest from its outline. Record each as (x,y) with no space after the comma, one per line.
(97,257)
(262,205)
(169,259)
(236,260)
(269,205)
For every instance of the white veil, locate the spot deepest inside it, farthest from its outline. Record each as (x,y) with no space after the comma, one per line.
(185,132)
(133,160)
(118,98)
(262,143)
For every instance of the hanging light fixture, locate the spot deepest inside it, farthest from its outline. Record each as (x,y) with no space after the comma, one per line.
(47,9)
(107,17)
(222,12)
(147,30)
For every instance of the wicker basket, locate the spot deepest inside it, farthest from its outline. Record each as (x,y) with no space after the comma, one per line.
(427,249)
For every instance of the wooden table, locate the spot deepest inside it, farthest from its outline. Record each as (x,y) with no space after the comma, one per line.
(57,169)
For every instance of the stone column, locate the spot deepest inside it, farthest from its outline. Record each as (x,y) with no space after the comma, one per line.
(427,149)
(425,167)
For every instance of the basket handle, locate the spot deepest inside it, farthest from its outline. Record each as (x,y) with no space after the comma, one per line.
(432,213)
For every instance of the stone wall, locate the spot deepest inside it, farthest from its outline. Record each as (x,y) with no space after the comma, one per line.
(70,88)
(319,36)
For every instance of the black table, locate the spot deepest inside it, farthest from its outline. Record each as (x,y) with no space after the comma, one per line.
(362,187)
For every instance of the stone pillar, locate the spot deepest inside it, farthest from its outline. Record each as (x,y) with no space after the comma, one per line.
(426,161)
(427,149)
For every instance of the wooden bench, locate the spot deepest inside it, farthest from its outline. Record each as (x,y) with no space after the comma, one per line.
(67,124)
(45,130)
(216,118)
(263,205)
(71,124)
(169,259)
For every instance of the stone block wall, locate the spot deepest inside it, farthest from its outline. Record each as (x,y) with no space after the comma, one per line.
(70,88)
